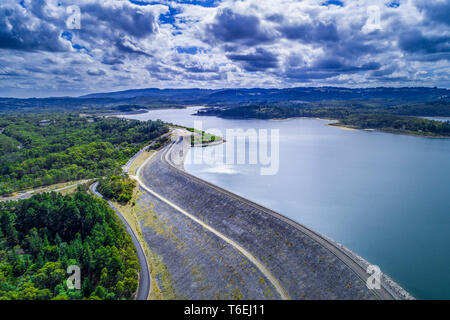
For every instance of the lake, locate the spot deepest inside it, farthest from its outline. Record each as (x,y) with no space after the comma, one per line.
(384,196)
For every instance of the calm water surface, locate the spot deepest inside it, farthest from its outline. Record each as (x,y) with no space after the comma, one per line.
(384,196)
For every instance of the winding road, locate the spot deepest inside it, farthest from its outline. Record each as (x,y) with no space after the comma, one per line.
(245,252)
(352,261)
(355,263)
(144,275)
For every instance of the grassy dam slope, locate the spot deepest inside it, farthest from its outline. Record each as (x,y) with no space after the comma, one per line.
(264,255)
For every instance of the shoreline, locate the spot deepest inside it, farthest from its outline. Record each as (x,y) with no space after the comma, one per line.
(394,289)
(140,111)
(209,144)
(335,124)
(403,133)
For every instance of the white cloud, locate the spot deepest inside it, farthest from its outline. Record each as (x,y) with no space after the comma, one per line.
(236,43)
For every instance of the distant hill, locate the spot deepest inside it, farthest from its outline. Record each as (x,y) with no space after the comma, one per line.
(288,94)
(329,93)
(152,92)
(131,100)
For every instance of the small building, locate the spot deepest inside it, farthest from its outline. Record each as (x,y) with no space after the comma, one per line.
(44,123)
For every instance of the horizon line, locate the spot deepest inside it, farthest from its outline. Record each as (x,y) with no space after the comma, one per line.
(225,88)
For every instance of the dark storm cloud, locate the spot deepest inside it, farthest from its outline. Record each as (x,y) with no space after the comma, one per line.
(349,44)
(111,61)
(117,28)
(309,33)
(160,71)
(435,11)
(383,72)
(354,47)
(275,17)
(183,43)
(131,20)
(36,26)
(6,71)
(65,71)
(327,68)
(260,60)
(340,66)
(234,27)
(416,43)
(96,73)
(205,77)
(199,68)
(35,69)
(130,48)
(22,30)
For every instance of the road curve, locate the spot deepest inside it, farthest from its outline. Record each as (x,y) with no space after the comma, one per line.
(350,259)
(238,247)
(144,275)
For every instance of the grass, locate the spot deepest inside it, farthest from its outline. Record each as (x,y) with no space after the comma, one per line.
(235,294)
(202,138)
(151,220)
(162,287)
(139,161)
(70,190)
(162,284)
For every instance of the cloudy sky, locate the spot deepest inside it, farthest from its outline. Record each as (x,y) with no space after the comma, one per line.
(50,47)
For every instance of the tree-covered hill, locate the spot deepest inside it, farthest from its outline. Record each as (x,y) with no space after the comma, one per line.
(397,119)
(41,236)
(133,100)
(38,150)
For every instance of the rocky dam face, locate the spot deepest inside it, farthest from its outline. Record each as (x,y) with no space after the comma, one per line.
(201,265)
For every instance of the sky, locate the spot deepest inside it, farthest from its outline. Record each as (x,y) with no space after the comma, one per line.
(65,47)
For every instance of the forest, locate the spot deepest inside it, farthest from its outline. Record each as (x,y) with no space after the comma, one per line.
(401,124)
(41,236)
(400,119)
(43,149)
(117,188)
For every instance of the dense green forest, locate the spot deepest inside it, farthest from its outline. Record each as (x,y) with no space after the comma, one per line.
(39,150)
(393,123)
(395,119)
(118,188)
(41,236)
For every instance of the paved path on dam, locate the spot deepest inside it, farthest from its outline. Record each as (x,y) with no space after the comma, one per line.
(245,252)
(144,275)
(300,263)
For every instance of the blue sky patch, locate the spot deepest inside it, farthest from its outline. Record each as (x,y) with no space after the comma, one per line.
(333,2)
(394,4)
(188,50)
(67,35)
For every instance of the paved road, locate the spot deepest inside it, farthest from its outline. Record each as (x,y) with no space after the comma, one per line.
(384,293)
(127,166)
(144,275)
(29,194)
(258,264)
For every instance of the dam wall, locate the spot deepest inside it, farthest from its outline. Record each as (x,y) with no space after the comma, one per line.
(201,266)
(306,265)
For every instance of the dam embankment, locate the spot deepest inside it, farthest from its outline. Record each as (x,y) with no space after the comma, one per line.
(307,265)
